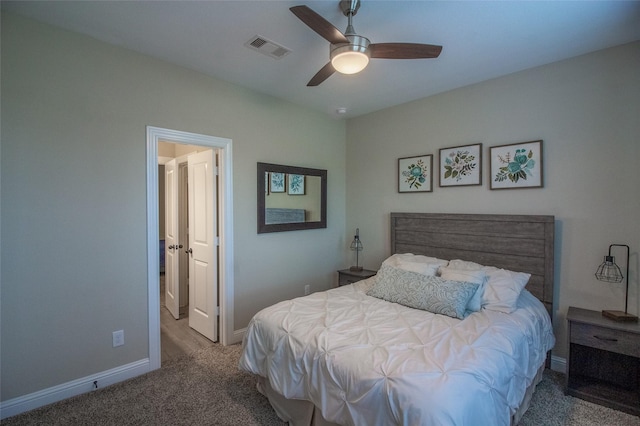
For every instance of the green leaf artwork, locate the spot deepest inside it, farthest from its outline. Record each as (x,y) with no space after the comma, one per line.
(517,168)
(459,164)
(416,174)
(295,183)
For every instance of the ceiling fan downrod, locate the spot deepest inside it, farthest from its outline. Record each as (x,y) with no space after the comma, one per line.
(349,8)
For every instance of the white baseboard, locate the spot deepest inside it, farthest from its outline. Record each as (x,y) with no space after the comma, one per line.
(558,364)
(87,384)
(238,335)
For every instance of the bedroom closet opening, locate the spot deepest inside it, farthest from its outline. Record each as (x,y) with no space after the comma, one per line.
(189,291)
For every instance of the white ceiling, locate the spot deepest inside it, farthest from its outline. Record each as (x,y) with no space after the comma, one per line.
(481,40)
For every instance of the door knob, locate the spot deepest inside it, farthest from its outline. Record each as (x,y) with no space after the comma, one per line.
(190,251)
(171,247)
(179,247)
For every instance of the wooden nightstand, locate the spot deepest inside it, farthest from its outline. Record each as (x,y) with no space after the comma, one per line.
(603,360)
(347,276)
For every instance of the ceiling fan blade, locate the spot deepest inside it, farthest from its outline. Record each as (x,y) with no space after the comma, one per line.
(324,73)
(404,50)
(318,24)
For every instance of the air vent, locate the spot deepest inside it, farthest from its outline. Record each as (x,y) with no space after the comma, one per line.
(269,48)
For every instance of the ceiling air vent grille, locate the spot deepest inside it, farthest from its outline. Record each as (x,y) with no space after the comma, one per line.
(267,47)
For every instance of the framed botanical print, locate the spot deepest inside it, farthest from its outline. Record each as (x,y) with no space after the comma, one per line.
(461,165)
(517,165)
(277,182)
(415,174)
(295,184)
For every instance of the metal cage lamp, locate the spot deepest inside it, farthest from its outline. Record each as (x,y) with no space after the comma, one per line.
(356,245)
(610,272)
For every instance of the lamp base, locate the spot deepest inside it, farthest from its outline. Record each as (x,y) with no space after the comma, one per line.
(356,268)
(620,316)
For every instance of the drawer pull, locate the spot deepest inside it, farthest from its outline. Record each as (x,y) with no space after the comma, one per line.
(608,339)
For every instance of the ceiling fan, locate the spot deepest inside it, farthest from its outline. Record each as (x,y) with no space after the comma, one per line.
(350,52)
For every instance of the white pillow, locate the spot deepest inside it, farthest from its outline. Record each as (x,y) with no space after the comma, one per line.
(502,288)
(464,264)
(415,263)
(477,276)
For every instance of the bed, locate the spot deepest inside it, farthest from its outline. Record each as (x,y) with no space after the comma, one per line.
(380,352)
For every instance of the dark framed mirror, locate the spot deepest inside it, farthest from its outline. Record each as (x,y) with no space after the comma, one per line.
(291,198)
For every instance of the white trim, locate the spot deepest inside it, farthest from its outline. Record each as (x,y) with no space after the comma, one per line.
(225,212)
(57,393)
(153,246)
(558,364)
(238,335)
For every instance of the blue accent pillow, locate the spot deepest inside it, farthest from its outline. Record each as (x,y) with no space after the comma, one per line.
(419,291)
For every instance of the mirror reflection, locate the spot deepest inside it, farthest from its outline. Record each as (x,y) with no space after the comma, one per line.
(290,198)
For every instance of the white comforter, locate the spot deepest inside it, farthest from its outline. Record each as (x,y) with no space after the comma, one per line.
(365,361)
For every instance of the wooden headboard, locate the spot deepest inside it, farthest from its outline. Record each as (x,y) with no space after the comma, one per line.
(520,243)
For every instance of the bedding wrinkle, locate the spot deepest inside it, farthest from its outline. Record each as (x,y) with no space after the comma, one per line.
(365,361)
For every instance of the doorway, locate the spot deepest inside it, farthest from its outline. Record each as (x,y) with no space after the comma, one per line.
(189,181)
(225,236)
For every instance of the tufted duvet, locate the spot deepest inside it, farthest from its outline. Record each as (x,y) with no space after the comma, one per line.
(365,361)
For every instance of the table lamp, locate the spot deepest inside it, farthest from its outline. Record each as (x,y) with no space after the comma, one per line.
(610,272)
(356,245)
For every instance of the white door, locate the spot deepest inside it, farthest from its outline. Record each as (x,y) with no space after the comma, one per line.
(203,268)
(172,298)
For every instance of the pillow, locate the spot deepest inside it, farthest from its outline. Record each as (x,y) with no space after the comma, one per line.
(503,287)
(416,263)
(464,264)
(471,276)
(420,268)
(419,291)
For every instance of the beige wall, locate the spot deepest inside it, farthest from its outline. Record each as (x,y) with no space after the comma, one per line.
(585,110)
(73,248)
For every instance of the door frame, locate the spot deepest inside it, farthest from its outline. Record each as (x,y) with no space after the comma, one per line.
(225,217)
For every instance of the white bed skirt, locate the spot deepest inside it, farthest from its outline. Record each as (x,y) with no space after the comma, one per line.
(299,412)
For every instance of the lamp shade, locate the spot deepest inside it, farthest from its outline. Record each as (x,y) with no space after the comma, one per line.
(350,62)
(351,58)
(608,271)
(356,244)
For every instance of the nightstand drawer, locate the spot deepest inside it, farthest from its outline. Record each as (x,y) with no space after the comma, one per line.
(347,276)
(606,339)
(347,279)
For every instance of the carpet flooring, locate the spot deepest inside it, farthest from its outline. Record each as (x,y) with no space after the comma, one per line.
(206,388)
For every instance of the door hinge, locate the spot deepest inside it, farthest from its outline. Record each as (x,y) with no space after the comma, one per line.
(217,311)
(216,170)
(217,241)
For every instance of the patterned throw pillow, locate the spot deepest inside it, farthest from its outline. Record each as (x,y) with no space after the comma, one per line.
(478,277)
(429,293)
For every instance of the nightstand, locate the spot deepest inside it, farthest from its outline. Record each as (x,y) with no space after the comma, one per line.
(347,276)
(603,360)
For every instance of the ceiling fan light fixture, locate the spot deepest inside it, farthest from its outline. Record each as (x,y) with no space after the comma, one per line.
(351,58)
(350,62)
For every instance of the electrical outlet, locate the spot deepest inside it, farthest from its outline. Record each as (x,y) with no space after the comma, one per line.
(307,289)
(118,338)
